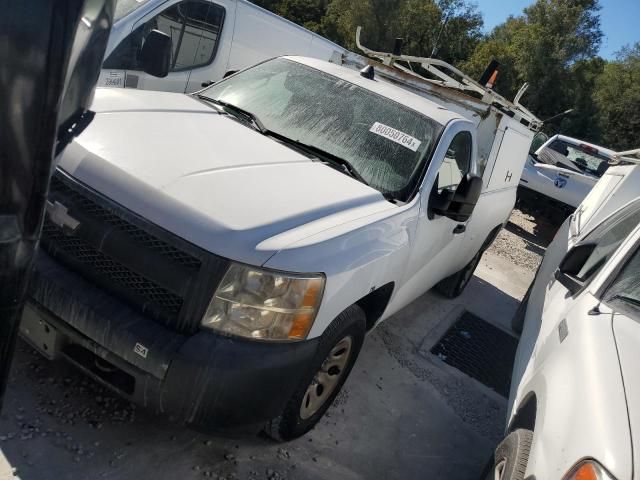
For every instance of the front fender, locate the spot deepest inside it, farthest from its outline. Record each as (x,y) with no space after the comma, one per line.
(356,257)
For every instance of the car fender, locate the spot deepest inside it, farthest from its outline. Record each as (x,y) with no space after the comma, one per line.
(357,258)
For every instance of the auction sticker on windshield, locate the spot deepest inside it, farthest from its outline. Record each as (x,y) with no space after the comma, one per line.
(397,136)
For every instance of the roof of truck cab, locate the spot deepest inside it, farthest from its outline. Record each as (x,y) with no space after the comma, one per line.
(381,87)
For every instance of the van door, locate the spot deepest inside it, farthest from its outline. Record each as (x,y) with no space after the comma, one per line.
(436,246)
(201,33)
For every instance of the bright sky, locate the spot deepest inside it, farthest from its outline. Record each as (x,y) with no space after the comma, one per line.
(620,20)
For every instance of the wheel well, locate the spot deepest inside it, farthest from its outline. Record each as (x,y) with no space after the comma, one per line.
(374,303)
(526,415)
(491,237)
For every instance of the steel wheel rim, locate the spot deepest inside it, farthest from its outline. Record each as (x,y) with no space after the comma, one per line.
(326,379)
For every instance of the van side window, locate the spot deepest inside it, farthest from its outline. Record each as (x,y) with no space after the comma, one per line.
(608,236)
(456,163)
(625,290)
(194,27)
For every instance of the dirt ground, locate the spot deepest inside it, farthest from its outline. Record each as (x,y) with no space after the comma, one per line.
(402,414)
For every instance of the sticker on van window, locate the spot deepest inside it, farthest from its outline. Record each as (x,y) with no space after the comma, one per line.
(111,78)
(397,136)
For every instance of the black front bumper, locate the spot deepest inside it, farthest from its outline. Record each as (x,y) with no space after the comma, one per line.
(206,380)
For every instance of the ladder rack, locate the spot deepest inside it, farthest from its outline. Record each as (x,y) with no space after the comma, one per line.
(459,88)
(627,156)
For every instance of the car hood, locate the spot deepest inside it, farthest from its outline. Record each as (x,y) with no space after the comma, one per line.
(208,178)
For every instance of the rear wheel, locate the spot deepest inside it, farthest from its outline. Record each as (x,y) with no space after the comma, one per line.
(337,352)
(454,285)
(512,455)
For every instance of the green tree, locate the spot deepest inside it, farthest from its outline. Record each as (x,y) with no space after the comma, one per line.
(584,121)
(375,17)
(549,46)
(617,96)
(308,13)
(447,29)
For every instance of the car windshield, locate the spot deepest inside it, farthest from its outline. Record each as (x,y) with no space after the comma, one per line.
(384,141)
(582,158)
(125,7)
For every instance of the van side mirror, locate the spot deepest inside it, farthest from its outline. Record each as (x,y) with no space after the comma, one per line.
(155,55)
(457,205)
(568,271)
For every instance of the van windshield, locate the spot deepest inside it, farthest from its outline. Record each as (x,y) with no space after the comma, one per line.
(385,142)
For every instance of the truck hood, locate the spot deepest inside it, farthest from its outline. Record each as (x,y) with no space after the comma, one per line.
(208,178)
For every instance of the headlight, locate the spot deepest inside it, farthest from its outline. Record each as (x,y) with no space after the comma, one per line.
(262,304)
(588,470)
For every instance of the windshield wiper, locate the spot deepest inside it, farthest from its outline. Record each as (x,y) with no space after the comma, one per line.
(328,158)
(624,298)
(324,156)
(237,112)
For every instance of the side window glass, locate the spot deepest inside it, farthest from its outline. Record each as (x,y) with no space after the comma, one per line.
(625,290)
(194,27)
(456,163)
(608,236)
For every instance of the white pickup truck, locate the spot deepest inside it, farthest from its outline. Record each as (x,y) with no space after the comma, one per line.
(221,255)
(560,174)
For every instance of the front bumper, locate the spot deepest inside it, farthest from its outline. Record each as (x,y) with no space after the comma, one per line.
(208,381)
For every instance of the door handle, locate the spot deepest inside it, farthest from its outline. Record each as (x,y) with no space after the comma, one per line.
(206,84)
(460,228)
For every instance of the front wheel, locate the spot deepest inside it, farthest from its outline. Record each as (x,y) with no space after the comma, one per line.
(337,352)
(512,455)
(454,285)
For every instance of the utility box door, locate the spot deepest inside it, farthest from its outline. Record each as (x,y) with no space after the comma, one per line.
(512,154)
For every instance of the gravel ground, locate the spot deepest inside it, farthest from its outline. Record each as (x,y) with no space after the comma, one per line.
(523,240)
(402,414)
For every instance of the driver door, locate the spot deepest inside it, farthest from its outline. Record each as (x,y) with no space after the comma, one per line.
(438,239)
(200,42)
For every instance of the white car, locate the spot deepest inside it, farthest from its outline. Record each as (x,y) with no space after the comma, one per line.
(221,255)
(560,174)
(575,394)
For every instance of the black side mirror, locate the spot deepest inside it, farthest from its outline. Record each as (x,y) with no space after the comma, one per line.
(155,55)
(568,271)
(458,205)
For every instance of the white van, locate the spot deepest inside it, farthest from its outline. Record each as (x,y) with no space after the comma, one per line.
(211,39)
(221,255)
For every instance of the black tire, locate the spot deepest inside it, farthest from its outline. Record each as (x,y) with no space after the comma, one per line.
(454,285)
(512,455)
(351,324)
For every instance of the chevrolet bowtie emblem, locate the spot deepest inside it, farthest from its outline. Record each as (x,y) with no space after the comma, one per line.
(58,214)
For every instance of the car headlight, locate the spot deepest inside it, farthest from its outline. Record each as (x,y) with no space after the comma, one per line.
(261,304)
(588,470)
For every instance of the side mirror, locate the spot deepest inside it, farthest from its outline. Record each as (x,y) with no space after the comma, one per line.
(568,271)
(458,205)
(155,55)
